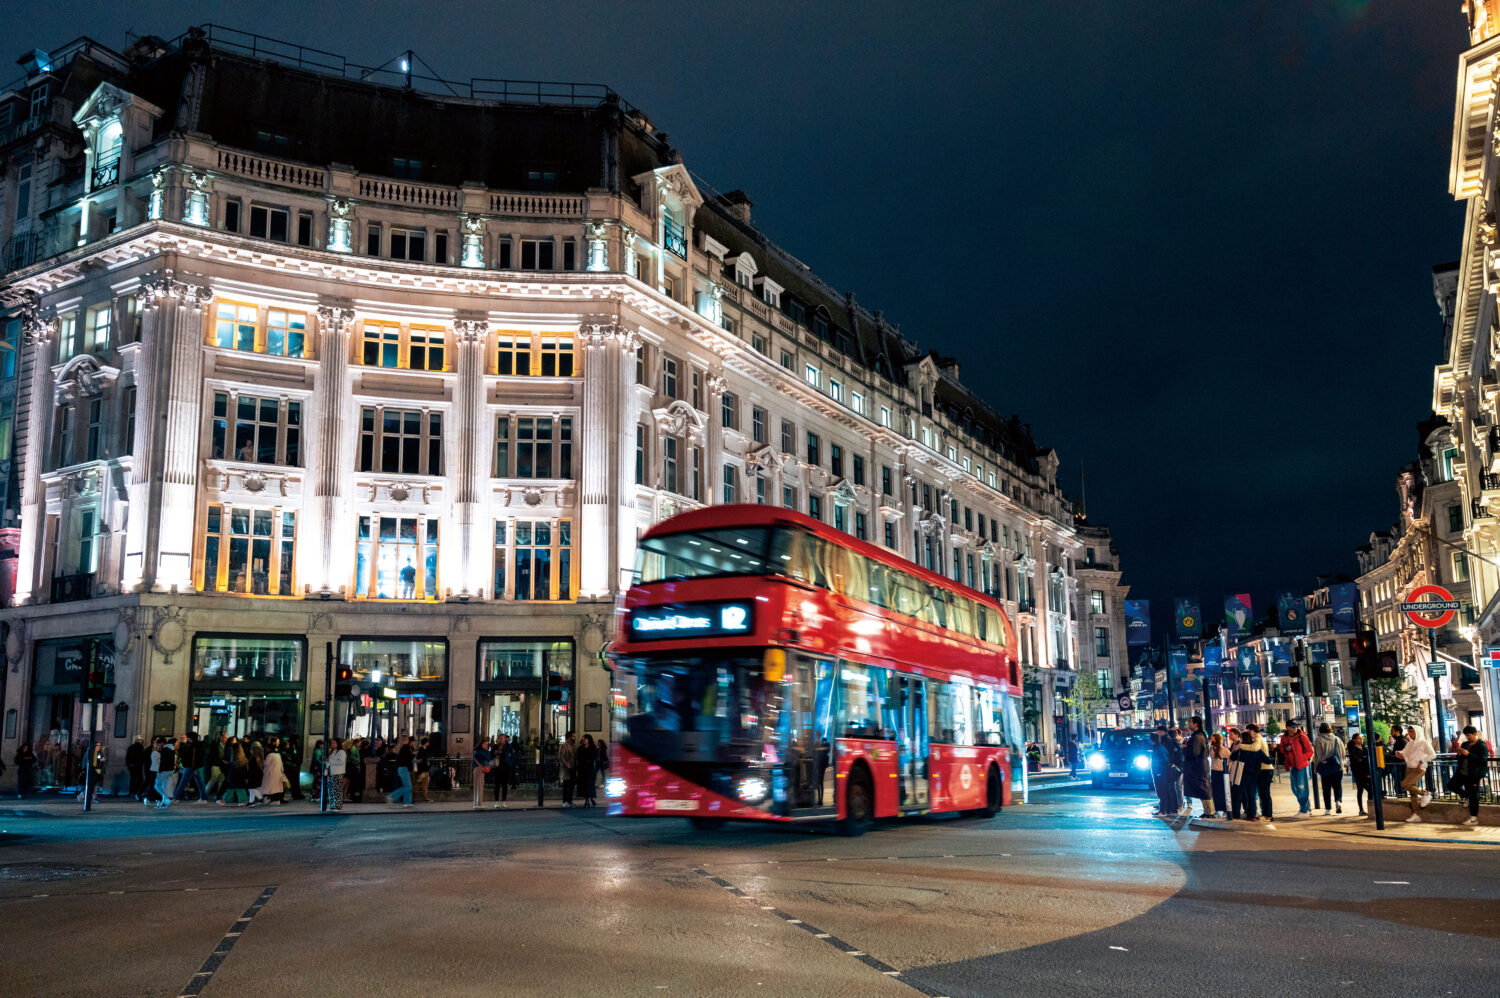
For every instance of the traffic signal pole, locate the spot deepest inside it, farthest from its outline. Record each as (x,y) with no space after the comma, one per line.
(1374,770)
(1437,691)
(329,703)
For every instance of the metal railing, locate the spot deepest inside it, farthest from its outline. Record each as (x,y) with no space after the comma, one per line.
(105,174)
(1439,772)
(71,588)
(1478,511)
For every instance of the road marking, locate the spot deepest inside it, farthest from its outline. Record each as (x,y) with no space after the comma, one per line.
(1405,882)
(1122,949)
(221,951)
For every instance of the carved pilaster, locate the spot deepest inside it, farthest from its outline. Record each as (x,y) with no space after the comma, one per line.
(471,336)
(714,438)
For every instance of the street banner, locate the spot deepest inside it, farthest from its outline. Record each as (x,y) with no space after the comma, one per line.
(1179,660)
(1137,622)
(1281,657)
(1213,693)
(1290,609)
(1342,599)
(1213,660)
(1317,651)
(1189,620)
(1160,697)
(1148,676)
(1237,615)
(1257,683)
(1247,664)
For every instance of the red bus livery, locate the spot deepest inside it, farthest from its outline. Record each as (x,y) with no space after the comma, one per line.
(773,668)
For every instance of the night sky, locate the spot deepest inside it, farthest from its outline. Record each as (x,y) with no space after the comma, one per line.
(1190,243)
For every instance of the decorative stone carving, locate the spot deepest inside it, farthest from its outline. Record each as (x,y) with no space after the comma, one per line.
(83,378)
(677,418)
(168,632)
(717,384)
(399,492)
(600,334)
(470,330)
(254,482)
(320,621)
(15,643)
(37,330)
(532,497)
(195,211)
(340,225)
(335,316)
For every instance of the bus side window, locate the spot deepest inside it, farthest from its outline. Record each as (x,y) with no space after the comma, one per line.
(853,578)
(961,712)
(961,615)
(878,585)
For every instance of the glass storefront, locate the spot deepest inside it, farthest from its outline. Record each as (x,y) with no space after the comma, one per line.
(59,719)
(249,686)
(508,699)
(403,687)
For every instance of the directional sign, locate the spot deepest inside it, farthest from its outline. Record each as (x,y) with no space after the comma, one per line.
(1416,607)
(1436,669)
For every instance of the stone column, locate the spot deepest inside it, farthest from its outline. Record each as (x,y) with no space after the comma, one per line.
(179,409)
(610,412)
(37,335)
(469,339)
(326,570)
(713,441)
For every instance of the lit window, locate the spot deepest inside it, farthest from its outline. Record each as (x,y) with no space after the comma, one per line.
(813,376)
(534,560)
(96,328)
(1096,601)
(731,484)
(249,551)
(885,416)
(256,430)
(238,326)
(396,557)
(400,441)
(857,402)
(557,356)
(836,390)
(417,348)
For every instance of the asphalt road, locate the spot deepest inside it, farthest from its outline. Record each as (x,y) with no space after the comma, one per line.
(1078,893)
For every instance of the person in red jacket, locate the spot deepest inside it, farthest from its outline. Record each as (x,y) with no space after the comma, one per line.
(1296,755)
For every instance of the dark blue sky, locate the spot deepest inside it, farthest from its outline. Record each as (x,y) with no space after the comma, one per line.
(1190,243)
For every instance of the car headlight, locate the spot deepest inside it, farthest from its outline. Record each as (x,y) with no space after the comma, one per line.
(1097,760)
(1143,762)
(614,786)
(753,789)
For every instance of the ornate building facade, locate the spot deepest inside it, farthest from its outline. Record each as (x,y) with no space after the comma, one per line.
(298,392)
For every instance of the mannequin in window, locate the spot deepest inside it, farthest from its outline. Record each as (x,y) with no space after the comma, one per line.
(408,581)
(246,453)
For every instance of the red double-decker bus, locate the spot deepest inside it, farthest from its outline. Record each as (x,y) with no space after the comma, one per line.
(773,668)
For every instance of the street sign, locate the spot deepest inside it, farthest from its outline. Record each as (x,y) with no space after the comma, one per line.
(1436,669)
(1124,701)
(1444,605)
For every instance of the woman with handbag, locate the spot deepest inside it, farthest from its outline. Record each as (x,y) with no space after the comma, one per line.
(1329,757)
(1219,761)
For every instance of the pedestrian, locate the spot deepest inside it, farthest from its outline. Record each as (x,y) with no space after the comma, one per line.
(189,761)
(254,773)
(584,760)
(1473,765)
(1218,753)
(1073,753)
(1329,759)
(603,762)
(1296,754)
(1359,769)
(404,759)
(213,765)
(98,765)
(315,770)
(1255,779)
(1393,763)
(423,782)
(166,769)
(566,768)
(1414,758)
(26,769)
(1235,771)
(273,772)
(338,761)
(482,760)
(356,751)
(236,776)
(135,765)
(503,758)
(1162,772)
(1197,767)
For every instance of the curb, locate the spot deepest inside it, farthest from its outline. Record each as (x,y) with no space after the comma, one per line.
(1469,843)
(1058,785)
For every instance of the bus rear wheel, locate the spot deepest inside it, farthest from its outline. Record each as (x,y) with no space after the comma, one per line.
(706,824)
(859,805)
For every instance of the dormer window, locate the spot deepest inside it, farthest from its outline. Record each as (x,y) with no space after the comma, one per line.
(770,292)
(744,270)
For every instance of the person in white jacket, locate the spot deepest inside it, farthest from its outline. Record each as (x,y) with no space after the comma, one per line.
(337,762)
(1417,754)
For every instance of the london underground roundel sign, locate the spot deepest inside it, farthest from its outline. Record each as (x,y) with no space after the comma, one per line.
(1425,600)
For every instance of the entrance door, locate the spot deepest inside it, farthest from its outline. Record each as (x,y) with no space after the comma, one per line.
(913,735)
(804,729)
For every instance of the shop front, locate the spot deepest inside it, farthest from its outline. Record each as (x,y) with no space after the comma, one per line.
(403,688)
(249,686)
(59,720)
(509,697)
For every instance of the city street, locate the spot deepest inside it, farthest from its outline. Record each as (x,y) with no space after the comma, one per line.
(1080,892)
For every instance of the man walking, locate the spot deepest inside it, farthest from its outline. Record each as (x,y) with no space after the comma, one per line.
(191,761)
(135,764)
(1296,755)
(404,759)
(166,767)
(213,765)
(1416,755)
(1473,763)
(504,761)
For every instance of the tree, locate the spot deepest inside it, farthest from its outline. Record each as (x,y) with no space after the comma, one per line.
(1273,727)
(1086,700)
(1391,700)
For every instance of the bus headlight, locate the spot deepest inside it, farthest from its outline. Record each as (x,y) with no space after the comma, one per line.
(753,789)
(1097,760)
(614,786)
(1143,762)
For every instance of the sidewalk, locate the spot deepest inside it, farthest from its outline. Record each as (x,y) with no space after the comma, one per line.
(58,806)
(1284,810)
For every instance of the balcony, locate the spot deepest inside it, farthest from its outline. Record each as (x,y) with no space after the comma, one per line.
(105,174)
(72,588)
(1489,481)
(673,237)
(1478,511)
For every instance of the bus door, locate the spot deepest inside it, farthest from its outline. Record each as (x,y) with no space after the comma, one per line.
(804,733)
(913,736)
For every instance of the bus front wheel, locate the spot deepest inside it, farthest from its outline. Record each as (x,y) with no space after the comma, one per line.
(859,805)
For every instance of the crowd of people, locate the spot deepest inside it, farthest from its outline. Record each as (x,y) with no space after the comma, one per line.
(1231,771)
(224,770)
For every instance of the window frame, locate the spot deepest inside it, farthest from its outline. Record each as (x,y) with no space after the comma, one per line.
(561,546)
(369,459)
(278,540)
(411,339)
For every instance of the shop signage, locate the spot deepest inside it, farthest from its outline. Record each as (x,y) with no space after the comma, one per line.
(690,620)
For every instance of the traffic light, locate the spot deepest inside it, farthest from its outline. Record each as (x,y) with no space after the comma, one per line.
(1295,674)
(1317,675)
(344,687)
(96,688)
(1366,657)
(1388,666)
(556,691)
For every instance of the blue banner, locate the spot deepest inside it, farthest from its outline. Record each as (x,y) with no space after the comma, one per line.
(1160,697)
(1317,651)
(1213,659)
(1189,620)
(1247,664)
(1257,683)
(1179,662)
(1237,615)
(1291,613)
(1281,658)
(1213,693)
(1343,598)
(1148,678)
(1137,622)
